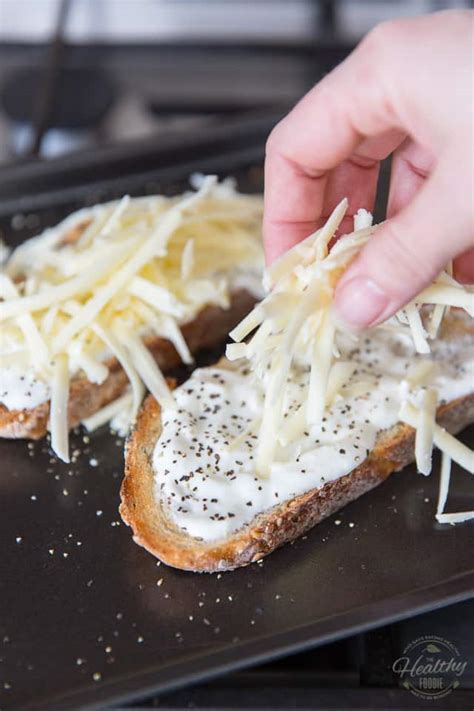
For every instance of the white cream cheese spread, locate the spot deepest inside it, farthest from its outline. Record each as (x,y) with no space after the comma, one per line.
(207,479)
(20,390)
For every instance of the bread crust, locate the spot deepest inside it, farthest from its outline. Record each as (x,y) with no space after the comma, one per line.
(154,530)
(207,330)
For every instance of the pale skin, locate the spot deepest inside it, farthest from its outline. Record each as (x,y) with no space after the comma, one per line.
(406,90)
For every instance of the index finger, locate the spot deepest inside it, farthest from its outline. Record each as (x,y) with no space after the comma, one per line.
(348,115)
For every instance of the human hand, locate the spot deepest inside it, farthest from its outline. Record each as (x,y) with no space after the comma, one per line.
(407,89)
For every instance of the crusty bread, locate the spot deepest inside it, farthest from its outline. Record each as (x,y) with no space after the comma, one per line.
(207,330)
(153,529)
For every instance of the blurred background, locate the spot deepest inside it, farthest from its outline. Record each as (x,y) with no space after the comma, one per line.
(78,74)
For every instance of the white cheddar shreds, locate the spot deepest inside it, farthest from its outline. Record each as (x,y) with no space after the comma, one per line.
(453,518)
(458,451)
(145,266)
(438,293)
(108,412)
(420,372)
(59,401)
(340,373)
(444,478)
(417,330)
(235,351)
(113,219)
(425,432)
(320,368)
(445,441)
(173,333)
(296,320)
(119,279)
(435,320)
(157,296)
(28,326)
(187,259)
(56,293)
(147,368)
(362,218)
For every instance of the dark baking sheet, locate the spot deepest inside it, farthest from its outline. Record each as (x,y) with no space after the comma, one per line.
(89,619)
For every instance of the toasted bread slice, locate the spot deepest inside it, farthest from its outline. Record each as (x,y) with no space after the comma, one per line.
(153,529)
(207,330)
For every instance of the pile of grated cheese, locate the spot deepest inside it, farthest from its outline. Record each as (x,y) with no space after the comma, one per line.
(107,277)
(296,320)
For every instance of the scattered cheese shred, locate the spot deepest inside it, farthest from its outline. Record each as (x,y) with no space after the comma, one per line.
(445,441)
(444,478)
(425,432)
(142,267)
(453,518)
(58,413)
(107,413)
(451,450)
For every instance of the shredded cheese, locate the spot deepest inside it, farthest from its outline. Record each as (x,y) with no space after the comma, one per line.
(444,478)
(107,413)
(445,441)
(451,450)
(296,318)
(425,432)
(59,401)
(142,267)
(453,518)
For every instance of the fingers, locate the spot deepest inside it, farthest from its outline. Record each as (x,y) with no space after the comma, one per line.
(313,198)
(348,115)
(464,267)
(356,179)
(411,165)
(406,254)
(293,202)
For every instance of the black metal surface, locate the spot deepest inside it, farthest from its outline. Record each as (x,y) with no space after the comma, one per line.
(353,673)
(89,619)
(137,166)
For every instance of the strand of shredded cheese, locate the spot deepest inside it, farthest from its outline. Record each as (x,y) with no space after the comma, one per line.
(425,431)
(58,409)
(107,413)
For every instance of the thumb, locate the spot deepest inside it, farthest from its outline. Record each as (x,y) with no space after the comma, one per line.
(405,254)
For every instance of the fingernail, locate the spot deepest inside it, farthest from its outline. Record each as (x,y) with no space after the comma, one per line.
(360,302)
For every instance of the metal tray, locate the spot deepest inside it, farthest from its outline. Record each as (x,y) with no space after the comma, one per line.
(89,619)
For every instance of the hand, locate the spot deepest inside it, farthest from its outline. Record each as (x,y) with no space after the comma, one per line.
(407,89)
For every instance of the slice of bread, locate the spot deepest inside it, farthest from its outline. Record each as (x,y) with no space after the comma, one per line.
(154,530)
(209,329)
